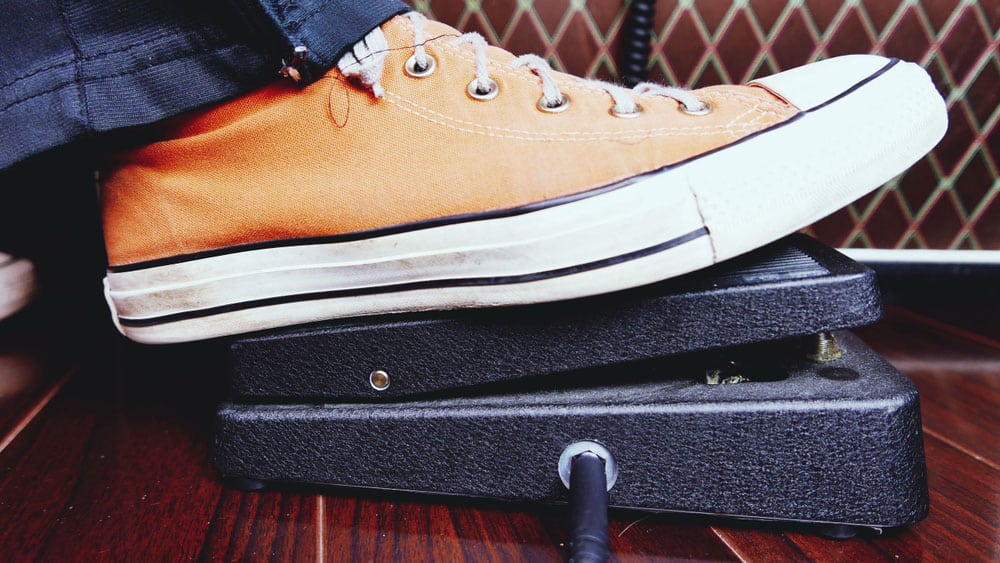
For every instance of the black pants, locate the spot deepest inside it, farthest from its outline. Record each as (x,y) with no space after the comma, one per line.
(72,68)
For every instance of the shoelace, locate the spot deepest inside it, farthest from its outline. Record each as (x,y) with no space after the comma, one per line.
(366,61)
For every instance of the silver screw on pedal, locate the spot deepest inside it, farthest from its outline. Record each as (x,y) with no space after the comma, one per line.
(379,380)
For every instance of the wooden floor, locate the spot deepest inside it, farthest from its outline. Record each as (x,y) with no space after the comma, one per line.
(104,456)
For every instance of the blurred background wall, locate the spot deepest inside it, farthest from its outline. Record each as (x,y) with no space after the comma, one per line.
(949,200)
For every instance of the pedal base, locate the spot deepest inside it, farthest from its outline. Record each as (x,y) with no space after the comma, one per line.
(832,443)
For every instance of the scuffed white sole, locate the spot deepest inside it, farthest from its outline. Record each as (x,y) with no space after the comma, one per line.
(654,227)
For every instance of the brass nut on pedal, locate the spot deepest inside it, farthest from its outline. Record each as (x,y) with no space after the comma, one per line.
(825,348)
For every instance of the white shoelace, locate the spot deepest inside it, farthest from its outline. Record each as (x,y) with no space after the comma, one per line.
(366,62)
(552,97)
(484,83)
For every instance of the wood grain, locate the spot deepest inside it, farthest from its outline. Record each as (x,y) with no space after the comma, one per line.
(956,376)
(265,525)
(127,457)
(116,467)
(643,537)
(377,527)
(30,372)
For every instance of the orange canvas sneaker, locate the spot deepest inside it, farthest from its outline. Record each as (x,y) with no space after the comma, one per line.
(431,171)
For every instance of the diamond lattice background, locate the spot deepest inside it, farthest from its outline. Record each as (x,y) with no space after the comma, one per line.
(949,200)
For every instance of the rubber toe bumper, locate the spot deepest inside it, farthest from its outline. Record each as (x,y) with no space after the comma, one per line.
(865,120)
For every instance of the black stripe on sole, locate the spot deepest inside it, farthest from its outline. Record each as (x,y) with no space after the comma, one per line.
(429,284)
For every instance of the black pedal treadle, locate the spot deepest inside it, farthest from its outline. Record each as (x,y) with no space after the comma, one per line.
(835,443)
(793,287)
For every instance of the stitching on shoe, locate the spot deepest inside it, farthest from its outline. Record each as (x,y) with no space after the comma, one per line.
(736,126)
(638,135)
(431,112)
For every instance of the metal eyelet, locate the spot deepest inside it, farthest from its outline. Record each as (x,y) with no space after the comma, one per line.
(562,106)
(626,114)
(414,70)
(476,94)
(705,109)
(379,380)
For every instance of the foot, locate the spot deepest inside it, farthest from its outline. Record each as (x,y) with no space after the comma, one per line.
(431,171)
(18,284)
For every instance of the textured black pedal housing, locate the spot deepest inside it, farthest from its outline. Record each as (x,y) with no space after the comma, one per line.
(793,287)
(835,443)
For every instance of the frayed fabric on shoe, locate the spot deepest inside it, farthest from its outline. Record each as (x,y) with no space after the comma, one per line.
(366,61)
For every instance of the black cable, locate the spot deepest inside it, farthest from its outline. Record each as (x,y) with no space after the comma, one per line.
(588,502)
(636,42)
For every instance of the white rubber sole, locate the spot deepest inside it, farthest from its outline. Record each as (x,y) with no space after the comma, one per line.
(657,226)
(18,284)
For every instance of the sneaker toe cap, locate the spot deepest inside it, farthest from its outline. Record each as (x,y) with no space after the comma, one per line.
(814,84)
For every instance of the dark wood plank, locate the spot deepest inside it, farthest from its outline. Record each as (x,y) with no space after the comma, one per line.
(40,470)
(131,470)
(127,444)
(32,366)
(978,318)
(962,526)
(956,376)
(760,543)
(644,537)
(37,480)
(263,525)
(380,526)
(27,385)
(377,527)
(506,533)
(116,466)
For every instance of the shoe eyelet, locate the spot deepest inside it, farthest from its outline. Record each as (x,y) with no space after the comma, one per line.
(705,109)
(476,94)
(626,114)
(562,106)
(413,69)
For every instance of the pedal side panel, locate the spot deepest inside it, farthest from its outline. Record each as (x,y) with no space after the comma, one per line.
(794,287)
(834,443)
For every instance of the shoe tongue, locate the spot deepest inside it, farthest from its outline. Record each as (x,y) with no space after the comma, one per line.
(399,32)
(434,29)
(366,61)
